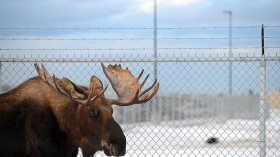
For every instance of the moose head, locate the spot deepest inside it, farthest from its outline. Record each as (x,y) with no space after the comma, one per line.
(92,124)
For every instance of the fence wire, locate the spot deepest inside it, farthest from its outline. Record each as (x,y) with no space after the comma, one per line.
(193,113)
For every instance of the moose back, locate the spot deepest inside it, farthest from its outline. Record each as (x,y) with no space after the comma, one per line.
(47,116)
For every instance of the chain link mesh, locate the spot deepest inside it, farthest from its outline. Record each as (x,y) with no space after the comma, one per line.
(192,114)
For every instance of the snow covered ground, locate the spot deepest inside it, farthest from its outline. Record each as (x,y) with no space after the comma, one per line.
(236,137)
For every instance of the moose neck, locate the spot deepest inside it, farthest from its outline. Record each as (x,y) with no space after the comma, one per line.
(66,112)
(41,94)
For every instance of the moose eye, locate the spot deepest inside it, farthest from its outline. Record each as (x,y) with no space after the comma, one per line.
(93,112)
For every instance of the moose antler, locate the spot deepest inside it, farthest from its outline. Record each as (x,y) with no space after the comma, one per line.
(52,81)
(44,75)
(127,87)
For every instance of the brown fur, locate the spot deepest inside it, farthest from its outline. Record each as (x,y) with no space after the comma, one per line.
(36,120)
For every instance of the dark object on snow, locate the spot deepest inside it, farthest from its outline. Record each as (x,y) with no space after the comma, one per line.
(212,140)
(46,116)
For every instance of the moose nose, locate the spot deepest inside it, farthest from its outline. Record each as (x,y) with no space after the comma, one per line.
(114,141)
(117,150)
(117,146)
(114,149)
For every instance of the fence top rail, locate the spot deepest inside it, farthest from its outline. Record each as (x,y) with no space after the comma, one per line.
(130,28)
(209,59)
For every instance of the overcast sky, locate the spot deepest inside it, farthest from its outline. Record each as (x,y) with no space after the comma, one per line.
(136,13)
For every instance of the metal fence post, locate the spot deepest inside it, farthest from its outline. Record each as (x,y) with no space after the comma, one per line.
(262,99)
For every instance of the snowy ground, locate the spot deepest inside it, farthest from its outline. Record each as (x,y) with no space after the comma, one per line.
(238,138)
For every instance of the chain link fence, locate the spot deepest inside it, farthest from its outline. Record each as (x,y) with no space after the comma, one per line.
(193,113)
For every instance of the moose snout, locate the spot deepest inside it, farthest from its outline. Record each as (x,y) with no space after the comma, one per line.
(117,150)
(114,141)
(114,149)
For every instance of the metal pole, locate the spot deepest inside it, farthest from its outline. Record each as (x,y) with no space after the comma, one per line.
(155,38)
(155,106)
(262,99)
(230,51)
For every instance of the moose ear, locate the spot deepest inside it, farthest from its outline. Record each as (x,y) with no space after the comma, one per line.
(74,90)
(96,84)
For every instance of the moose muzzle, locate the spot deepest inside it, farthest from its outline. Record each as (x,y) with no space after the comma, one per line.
(114,141)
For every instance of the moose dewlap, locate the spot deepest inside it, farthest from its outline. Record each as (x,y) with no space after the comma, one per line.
(47,116)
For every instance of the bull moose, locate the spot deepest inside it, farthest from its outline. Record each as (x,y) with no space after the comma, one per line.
(51,117)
